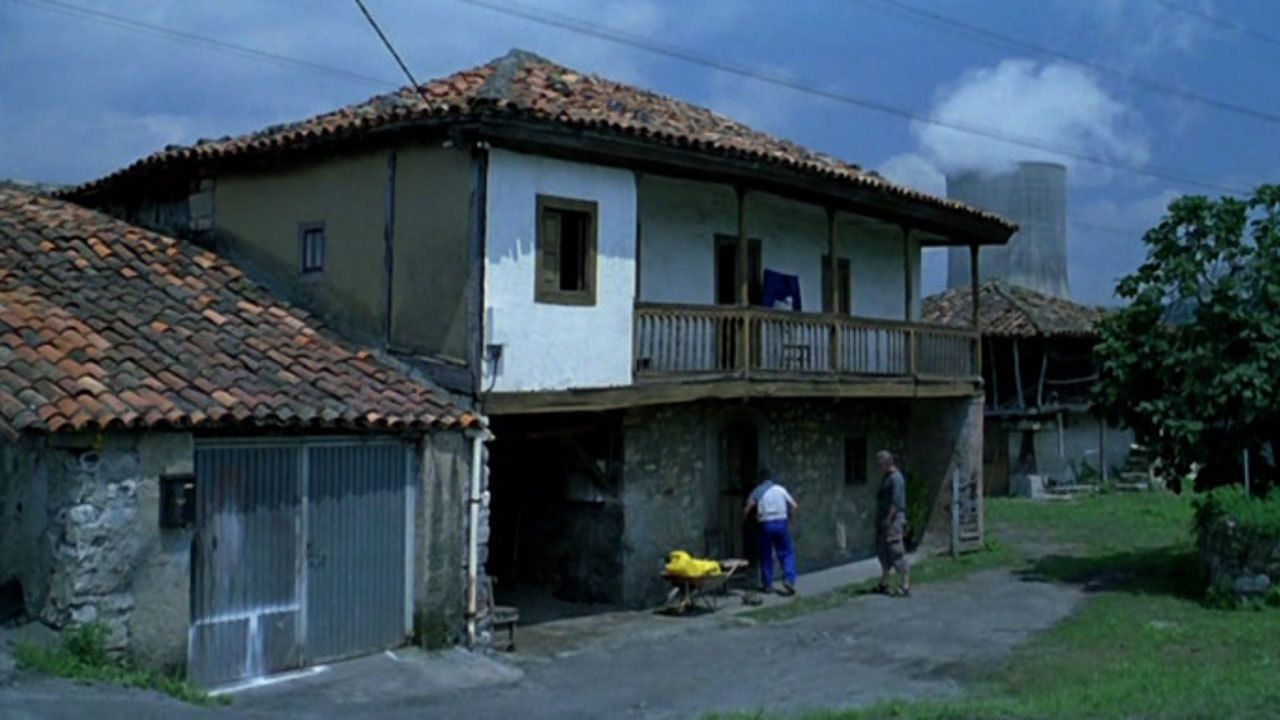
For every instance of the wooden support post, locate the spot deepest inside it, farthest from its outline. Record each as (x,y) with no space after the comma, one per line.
(744,283)
(744,251)
(975,314)
(1102,451)
(833,293)
(1044,368)
(1017,374)
(995,379)
(908,291)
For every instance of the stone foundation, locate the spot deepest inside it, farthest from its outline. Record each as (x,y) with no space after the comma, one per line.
(672,478)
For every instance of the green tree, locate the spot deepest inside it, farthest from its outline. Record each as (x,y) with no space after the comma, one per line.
(1192,364)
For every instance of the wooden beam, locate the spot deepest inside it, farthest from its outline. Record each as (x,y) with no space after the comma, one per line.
(674,392)
(1017,373)
(973,285)
(908,290)
(744,251)
(833,292)
(1044,368)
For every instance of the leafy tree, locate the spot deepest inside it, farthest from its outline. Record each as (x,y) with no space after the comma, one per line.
(1192,364)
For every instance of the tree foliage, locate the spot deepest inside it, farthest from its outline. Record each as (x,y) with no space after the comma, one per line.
(1192,363)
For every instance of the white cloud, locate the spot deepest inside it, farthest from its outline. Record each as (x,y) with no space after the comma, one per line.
(1054,105)
(915,171)
(1137,32)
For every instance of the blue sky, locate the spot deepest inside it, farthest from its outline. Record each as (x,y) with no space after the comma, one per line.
(80,97)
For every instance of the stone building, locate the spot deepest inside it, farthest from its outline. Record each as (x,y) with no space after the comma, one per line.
(1038,371)
(648,299)
(208,471)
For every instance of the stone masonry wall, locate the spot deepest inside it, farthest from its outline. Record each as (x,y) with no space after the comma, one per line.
(442,513)
(672,478)
(1242,563)
(91,548)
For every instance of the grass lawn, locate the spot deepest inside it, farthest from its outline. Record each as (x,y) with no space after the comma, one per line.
(1142,645)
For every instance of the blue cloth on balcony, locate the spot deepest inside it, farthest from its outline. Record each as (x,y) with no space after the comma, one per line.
(780,287)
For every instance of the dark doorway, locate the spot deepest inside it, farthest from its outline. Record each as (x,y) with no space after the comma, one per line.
(555,547)
(739,465)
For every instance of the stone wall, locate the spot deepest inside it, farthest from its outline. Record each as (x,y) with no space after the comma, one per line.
(673,476)
(90,547)
(442,515)
(1240,562)
(945,437)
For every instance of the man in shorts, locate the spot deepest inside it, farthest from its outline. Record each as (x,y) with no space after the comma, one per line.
(891,516)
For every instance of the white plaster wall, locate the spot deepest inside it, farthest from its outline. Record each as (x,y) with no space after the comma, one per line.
(555,347)
(679,220)
(678,224)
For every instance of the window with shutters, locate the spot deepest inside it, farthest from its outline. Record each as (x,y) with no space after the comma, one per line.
(311,247)
(566,251)
(843,306)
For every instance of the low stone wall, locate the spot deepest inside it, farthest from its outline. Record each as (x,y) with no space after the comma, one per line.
(84,539)
(1240,561)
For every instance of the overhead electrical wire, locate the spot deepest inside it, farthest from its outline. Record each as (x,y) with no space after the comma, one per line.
(564,22)
(549,18)
(1218,21)
(995,38)
(214,44)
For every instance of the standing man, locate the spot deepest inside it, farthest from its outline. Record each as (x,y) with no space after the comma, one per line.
(774,506)
(891,514)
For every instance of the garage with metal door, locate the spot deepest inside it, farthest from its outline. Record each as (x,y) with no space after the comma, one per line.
(301,554)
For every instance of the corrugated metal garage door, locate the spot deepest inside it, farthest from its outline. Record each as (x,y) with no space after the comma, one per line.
(301,554)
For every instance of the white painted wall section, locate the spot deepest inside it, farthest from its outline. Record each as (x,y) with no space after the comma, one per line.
(557,347)
(678,224)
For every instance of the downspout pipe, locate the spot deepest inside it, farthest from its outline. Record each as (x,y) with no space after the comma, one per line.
(475,498)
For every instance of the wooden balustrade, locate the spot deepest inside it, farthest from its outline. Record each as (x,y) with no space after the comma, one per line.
(693,340)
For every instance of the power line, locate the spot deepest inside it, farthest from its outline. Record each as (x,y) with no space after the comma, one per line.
(993,37)
(385,41)
(1218,21)
(243,51)
(565,22)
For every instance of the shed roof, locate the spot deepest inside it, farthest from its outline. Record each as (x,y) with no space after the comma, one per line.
(1008,310)
(105,325)
(521,85)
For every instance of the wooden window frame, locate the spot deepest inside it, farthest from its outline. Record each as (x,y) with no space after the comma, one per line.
(542,291)
(855,476)
(304,229)
(844,280)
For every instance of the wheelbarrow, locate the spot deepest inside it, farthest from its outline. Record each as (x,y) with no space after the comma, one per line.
(702,592)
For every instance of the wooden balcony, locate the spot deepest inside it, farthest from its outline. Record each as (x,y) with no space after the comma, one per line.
(690,342)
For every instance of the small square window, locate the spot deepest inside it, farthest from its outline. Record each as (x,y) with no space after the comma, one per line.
(311,247)
(855,460)
(177,501)
(566,251)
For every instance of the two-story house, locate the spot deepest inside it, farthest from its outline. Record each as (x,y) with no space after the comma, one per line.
(649,300)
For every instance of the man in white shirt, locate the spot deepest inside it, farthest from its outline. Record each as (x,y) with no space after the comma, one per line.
(774,506)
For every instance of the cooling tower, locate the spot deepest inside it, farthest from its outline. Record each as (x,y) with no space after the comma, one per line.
(1035,197)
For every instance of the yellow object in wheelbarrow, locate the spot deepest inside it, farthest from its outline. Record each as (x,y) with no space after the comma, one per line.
(682,564)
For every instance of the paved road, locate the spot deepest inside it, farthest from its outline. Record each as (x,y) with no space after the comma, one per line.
(870,650)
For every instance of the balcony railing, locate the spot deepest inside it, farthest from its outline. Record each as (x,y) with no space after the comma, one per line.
(695,340)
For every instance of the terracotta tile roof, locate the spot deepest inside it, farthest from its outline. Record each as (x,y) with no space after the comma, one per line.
(103,324)
(525,86)
(1007,310)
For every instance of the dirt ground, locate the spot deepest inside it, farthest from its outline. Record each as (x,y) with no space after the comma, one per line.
(872,649)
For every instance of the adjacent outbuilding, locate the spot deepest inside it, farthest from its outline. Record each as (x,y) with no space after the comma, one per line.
(222,481)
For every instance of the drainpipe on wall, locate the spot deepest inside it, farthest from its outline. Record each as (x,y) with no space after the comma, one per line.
(474,499)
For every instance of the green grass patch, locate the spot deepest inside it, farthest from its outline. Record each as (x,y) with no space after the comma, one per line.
(83,656)
(1144,644)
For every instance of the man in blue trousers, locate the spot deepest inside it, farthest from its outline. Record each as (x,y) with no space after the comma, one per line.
(774,506)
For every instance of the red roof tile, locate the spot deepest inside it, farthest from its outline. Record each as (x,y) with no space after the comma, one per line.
(527,87)
(85,345)
(1007,310)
